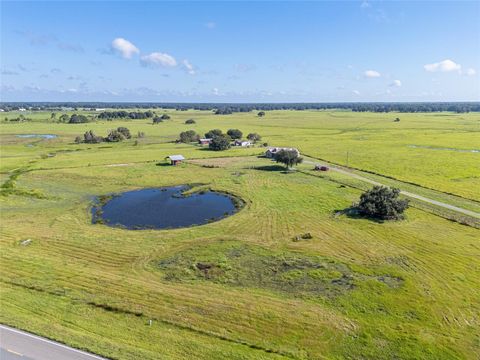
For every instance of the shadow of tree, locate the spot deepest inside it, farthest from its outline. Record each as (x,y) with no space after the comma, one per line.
(269,168)
(353,212)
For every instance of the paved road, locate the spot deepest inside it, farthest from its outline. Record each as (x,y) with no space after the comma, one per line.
(20,345)
(406,193)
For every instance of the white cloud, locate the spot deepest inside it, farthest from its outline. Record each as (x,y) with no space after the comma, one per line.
(188,67)
(124,47)
(356,92)
(215,91)
(158,59)
(396,83)
(365,4)
(443,66)
(470,72)
(210,25)
(371,74)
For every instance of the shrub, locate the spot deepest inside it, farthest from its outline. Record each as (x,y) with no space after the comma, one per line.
(78,139)
(141,134)
(188,136)
(78,119)
(261,113)
(157,120)
(254,137)
(115,136)
(235,133)
(212,133)
(220,142)
(125,132)
(383,203)
(190,121)
(165,117)
(90,138)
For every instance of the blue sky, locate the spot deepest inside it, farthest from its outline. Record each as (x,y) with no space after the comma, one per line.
(240,51)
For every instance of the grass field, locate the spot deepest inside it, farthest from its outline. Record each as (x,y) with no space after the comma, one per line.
(358,289)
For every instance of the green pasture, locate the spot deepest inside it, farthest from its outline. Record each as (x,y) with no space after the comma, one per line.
(358,289)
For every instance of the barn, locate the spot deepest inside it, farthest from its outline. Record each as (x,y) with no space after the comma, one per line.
(175,159)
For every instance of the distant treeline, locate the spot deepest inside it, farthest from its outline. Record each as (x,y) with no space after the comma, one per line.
(109,115)
(228,108)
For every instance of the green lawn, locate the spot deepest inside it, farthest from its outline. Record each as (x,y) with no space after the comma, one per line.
(358,289)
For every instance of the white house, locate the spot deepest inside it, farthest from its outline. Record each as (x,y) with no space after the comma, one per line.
(272,151)
(242,143)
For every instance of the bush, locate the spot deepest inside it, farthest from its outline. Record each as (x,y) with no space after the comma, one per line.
(261,113)
(157,120)
(212,133)
(165,117)
(254,137)
(78,140)
(125,132)
(383,203)
(90,138)
(188,136)
(190,122)
(78,119)
(220,142)
(115,136)
(235,134)
(141,134)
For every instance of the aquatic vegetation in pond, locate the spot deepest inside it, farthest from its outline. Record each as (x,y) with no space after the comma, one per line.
(163,208)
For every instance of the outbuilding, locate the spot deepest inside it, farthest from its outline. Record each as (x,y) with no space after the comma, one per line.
(204,141)
(175,159)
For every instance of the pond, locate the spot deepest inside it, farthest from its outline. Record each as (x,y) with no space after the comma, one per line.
(41,136)
(163,208)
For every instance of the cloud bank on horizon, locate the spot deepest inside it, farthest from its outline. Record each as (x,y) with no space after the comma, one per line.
(365,51)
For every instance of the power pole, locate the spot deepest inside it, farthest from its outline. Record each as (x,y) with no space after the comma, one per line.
(347,157)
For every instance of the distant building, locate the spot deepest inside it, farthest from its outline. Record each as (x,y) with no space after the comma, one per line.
(204,141)
(22,109)
(242,143)
(175,159)
(99,109)
(271,152)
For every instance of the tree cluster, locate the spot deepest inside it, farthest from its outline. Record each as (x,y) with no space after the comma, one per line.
(254,137)
(110,115)
(115,135)
(228,108)
(235,134)
(220,142)
(188,136)
(78,119)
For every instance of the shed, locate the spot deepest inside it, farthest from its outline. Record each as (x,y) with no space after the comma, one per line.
(175,159)
(204,141)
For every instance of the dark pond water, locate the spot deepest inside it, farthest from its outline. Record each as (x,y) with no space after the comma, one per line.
(41,136)
(163,208)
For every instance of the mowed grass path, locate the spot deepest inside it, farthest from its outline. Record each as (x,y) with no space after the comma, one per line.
(404,289)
